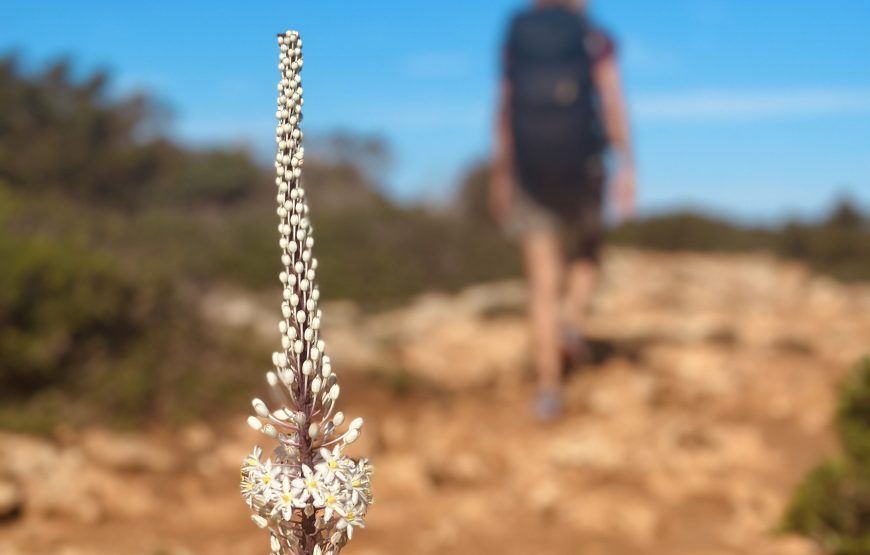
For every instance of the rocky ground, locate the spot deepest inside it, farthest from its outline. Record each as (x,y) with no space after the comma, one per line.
(710,394)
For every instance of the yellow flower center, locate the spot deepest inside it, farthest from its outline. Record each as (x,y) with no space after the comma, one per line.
(330,500)
(267,478)
(332,464)
(286,498)
(350,515)
(312,484)
(356,483)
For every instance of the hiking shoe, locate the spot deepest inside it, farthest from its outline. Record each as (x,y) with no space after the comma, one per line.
(547,406)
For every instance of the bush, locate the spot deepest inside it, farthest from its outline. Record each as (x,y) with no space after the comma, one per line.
(60,306)
(83,337)
(832,505)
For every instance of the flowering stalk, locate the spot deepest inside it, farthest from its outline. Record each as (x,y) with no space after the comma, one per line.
(308,494)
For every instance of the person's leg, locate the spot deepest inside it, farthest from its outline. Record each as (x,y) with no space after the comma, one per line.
(581,279)
(543,261)
(582,276)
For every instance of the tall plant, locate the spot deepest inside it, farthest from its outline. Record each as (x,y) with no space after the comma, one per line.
(307,493)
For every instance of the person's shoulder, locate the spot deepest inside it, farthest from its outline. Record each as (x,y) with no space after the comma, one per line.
(599,42)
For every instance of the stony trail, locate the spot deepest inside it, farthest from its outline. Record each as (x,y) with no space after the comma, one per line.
(710,394)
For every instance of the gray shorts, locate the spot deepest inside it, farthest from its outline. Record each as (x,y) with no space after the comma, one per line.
(580,235)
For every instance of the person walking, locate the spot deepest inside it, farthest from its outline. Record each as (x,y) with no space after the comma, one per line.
(561,111)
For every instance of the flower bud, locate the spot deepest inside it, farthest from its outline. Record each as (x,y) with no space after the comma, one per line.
(255,423)
(351,436)
(281,414)
(260,407)
(299,418)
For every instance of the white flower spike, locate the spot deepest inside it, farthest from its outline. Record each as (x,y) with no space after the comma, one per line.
(309,494)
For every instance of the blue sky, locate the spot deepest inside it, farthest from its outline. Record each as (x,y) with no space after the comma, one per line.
(758,109)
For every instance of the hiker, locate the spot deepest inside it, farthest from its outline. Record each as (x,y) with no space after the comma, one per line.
(561,110)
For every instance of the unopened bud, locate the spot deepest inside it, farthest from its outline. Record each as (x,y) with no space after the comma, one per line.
(338,419)
(260,408)
(255,423)
(351,436)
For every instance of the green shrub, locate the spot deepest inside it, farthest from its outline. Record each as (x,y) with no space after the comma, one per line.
(853,416)
(832,504)
(82,337)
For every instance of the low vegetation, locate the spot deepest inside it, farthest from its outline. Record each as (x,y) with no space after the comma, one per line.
(832,505)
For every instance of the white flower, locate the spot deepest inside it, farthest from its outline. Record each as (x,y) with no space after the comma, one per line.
(312,484)
(286,500)
(331,503)
(348,519)
(253,459)
(266,477)
(358,483)
(333,461)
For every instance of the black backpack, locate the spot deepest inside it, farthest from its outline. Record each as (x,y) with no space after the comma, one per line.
(553,108)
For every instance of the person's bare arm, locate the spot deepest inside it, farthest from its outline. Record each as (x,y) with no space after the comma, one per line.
(616,125)
(501,180)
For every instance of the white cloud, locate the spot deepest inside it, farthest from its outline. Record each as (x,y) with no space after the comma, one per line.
(705,106)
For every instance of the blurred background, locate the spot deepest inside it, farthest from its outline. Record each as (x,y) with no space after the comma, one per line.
(138,290)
